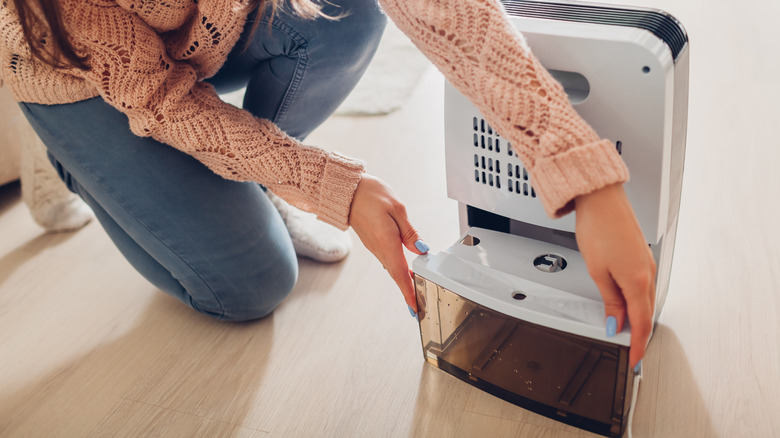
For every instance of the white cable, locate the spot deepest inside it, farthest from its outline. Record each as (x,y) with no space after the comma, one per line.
(634,393)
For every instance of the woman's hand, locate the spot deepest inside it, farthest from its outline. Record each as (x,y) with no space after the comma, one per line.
(619,261)
(380,220)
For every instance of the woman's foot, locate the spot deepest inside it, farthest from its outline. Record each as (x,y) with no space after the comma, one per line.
(311,237)
(63,215)
(51,204)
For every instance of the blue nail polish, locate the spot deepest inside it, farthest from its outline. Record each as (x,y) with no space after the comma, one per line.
(638,366)
(421,246)
(611,326)
(411,311)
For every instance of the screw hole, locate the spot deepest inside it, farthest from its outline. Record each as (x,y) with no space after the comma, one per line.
(518,296)
(645,69)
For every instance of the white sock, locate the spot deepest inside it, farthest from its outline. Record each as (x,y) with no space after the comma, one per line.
(311,237)
(51,204)
(66,215)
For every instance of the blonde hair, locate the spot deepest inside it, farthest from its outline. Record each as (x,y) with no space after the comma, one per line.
(308,9)
(304,8)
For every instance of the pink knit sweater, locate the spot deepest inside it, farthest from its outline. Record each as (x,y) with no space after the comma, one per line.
(148,60)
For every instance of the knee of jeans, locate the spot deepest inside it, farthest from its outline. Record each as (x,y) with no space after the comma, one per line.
(359,26)
(373,21)
(254,296)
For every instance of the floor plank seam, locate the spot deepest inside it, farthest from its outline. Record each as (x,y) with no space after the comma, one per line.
(194,415)
(498,417)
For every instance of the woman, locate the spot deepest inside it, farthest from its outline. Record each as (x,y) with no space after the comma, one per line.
(176,192)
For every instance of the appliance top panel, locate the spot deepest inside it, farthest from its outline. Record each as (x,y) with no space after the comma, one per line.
(534,281)
(659,23)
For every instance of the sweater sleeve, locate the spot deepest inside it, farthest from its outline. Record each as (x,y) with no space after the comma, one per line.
(164,99)
(486,59)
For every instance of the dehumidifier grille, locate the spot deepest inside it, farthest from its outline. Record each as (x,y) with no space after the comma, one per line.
(659,23)
(495,164)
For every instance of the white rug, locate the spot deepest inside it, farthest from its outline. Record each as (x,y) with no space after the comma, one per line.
(389,81)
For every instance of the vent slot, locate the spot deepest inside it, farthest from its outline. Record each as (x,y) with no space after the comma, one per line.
(488,163)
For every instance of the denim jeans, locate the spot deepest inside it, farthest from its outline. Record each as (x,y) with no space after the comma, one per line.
(217,245)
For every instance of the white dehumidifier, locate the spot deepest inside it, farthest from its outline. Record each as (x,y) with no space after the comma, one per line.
(510,307)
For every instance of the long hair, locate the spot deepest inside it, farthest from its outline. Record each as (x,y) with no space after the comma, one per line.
(46,35)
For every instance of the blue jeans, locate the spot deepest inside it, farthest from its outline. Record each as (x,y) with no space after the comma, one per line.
(217,245)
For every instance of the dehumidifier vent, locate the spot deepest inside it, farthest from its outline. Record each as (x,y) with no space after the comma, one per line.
(493,155)
(495,164)
(659,23)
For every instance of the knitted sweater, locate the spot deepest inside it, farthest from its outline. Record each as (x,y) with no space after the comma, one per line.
(149,59)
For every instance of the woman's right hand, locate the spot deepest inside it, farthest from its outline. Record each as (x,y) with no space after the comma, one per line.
(620,262)
(379,219)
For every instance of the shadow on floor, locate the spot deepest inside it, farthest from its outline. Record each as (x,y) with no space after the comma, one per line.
(11,261)
(10,194)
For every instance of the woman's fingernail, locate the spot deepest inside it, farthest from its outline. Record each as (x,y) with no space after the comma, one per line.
(411,311)
(421,246)
(611,326)
(638,366)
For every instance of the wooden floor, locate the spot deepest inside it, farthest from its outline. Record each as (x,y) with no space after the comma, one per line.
(89,348)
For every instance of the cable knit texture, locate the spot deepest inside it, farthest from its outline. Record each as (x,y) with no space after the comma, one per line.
(487,60)
(148,60)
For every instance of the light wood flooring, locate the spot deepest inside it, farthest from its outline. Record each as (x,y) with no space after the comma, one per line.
(89,349)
